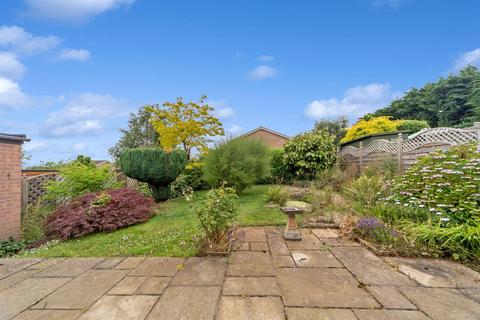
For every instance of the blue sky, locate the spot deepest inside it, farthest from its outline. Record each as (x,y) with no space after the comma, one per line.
(71,71)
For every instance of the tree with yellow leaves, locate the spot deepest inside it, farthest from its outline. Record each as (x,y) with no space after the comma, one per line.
(186,124)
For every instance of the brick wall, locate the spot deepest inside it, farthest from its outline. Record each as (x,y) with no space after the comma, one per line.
(10,189)
(270,139)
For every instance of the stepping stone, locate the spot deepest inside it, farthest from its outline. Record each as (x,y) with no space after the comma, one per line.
(308,242)
(437,273)
(325,233)
(83,291)
(9,266)
(49,315)
(283,261)
(390,315)
(443,303)
(21,296)
(127,286)
(120,308)
(15,278)
(71,267)
(158,267)
(319,314)
(315,259)
(250,263)
(251,286)
(129,263)
(186,302)
(109,263)
(322,287)
(368,268)
(45,263)
(249,308)
(251,234)
(201,272)
(258,246)
(390,297)
(278,246)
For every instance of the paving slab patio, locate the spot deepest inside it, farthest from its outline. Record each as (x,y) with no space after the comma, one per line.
(320,277)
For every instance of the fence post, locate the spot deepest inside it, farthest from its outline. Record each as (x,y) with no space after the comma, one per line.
(400,152)
(361,155)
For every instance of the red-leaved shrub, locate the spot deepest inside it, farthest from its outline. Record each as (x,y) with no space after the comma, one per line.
(98,211)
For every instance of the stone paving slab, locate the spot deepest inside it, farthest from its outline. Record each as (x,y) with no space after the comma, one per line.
(390,297)
(250,263)
(201,271)
(322,287)
(49,315)
(185,303)
(120,308)
(250,308)
(158,267)
(390,315)
(83,291)
(251,286)
(443,304)
(368,268)
(70,267)
(315,259)
(319,314)
(437,273)
(21,296)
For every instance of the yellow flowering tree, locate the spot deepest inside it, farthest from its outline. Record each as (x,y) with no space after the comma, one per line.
(374,125)
(186,124)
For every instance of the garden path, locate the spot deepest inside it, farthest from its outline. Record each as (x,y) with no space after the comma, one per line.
(320,277)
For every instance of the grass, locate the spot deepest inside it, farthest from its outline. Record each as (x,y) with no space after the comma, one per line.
(173,231)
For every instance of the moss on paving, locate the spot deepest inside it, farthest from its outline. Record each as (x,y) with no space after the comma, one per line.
(173,231)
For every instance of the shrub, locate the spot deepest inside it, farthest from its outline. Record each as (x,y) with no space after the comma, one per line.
(10,246)
(445,182)
(413,125)
(191,179)
(374,125)
(237,163)
(276,195)
(216,213)
(97,212)
(309,153)
(155,167)
(77,178)
(365,191)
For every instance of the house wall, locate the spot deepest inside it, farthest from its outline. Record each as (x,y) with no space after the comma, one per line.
(270,139)
(10,189)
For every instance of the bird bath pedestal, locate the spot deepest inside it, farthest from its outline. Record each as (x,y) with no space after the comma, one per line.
(291,230)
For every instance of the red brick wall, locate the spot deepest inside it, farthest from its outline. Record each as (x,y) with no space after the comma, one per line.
(10,190)
(270,139)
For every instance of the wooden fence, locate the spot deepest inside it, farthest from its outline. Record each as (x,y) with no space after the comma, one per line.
(405,152)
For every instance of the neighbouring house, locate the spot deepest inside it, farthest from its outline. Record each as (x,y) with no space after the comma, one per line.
(272,139)
(10,184)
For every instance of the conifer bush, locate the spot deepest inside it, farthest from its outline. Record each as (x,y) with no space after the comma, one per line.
(155,167)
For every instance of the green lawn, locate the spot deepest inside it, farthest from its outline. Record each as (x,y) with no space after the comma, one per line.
(172,232)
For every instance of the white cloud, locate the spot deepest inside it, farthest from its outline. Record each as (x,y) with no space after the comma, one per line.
(36,145)
(356,102)
(262,72)
(467,58)
(84,115)
(10,67)
(72,9)
(18,40)
(11,95)
(235,130)
(265,58)
(74,54)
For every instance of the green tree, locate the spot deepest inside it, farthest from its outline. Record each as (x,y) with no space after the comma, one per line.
(140,133)
(186,124)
